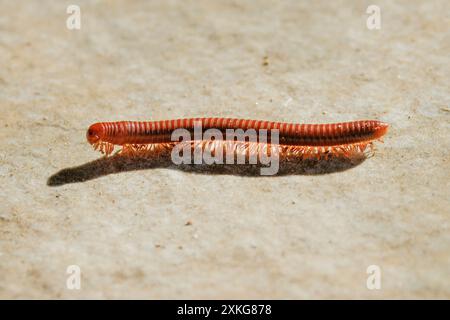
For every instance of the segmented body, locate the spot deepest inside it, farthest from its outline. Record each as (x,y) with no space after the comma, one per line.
(298,138)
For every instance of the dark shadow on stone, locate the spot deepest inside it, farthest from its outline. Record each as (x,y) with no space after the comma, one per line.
(116,164)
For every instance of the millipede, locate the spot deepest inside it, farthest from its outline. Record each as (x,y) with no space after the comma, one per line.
(294,140)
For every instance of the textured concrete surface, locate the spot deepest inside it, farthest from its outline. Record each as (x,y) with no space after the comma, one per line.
(165,232)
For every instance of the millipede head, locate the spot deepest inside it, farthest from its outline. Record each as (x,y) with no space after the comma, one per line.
(94,133)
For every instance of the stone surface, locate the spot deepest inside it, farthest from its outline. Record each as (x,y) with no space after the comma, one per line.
(163,232)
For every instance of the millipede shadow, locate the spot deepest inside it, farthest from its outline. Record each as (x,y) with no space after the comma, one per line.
(115,164)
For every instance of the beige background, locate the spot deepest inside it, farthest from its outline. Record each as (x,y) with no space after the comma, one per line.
(302,234)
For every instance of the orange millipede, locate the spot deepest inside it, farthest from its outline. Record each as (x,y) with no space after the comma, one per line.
(301,140)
